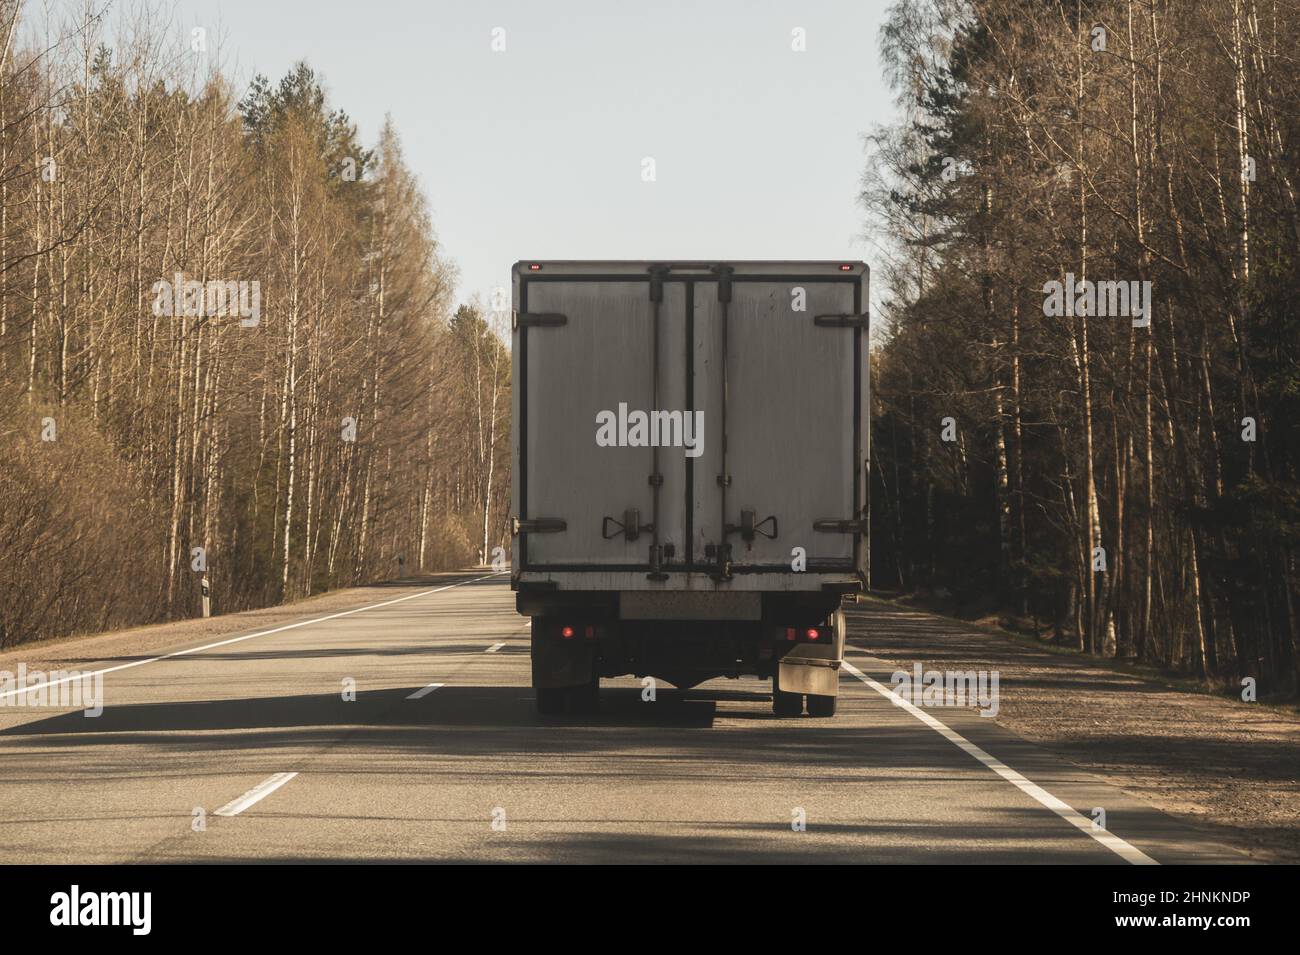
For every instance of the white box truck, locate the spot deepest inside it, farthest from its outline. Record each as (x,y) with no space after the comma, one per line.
(689,473)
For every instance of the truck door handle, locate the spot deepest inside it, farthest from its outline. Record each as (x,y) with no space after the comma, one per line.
(631,526)
(750,528)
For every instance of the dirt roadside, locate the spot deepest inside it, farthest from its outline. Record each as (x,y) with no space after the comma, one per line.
(1219,762)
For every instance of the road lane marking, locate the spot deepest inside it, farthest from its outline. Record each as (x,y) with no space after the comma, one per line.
(256,794)
(425,691)
(494,648)
(250,636)
(1111,841)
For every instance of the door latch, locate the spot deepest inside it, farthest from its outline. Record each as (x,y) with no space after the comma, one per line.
(630,527)
(749,527)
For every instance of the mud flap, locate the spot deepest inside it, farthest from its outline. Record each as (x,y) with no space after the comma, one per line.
(801,674)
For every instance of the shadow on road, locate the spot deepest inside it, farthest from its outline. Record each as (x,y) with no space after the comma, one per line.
(382,712)
(1015,837)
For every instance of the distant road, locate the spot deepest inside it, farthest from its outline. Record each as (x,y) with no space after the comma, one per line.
(441,757)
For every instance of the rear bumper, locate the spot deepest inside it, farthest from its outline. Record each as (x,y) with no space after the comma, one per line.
(845,580)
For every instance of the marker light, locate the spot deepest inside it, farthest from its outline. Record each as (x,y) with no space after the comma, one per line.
(566,633)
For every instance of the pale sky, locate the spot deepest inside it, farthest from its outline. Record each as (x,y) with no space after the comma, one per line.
(536,152)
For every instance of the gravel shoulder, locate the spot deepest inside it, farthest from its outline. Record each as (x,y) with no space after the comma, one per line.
(1213,760)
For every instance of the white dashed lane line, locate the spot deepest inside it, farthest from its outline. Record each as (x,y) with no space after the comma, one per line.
(256,794)
(425,691)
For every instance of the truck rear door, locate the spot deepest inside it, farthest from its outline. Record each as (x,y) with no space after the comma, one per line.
(780,372)
(587,351)
(771,358)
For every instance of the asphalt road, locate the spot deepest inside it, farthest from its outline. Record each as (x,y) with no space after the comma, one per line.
(248,751)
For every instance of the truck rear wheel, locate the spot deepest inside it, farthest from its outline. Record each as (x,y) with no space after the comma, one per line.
(558,700)
(785,704)
(821,705)
(551,700)
(585,699)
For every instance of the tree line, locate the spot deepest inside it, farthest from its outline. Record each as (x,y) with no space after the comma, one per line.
(1125,483)
(227,341)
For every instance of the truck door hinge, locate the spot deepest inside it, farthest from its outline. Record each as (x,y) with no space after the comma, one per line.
(537,525)
(657,273)
(723,272)
(540,319)
(841,320)
(858,526)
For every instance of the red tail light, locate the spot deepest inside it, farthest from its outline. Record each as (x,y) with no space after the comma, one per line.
(805,634)
(566,633)
(590,632)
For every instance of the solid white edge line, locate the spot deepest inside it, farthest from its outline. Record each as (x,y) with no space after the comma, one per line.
(494,648)
(1112,842)
(425,691)
(256,794)
(250,636)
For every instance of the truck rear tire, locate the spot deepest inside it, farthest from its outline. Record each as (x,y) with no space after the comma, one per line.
(821,705)
(585,699)
(785,705)
(551,700)
(573,700)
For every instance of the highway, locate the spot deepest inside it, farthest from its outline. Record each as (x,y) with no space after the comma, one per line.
(246,749)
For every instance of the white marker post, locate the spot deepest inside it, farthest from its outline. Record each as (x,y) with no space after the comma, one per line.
(207,600)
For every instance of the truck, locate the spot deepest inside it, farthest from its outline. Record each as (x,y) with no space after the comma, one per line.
(689,474)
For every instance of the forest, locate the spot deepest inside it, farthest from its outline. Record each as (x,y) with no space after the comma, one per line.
(1123,484)
(229,347)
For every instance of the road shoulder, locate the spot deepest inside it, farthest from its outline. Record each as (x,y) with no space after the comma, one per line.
(1231,766)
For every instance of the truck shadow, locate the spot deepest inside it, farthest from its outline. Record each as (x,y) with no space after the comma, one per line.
(372,712)
(625,707)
